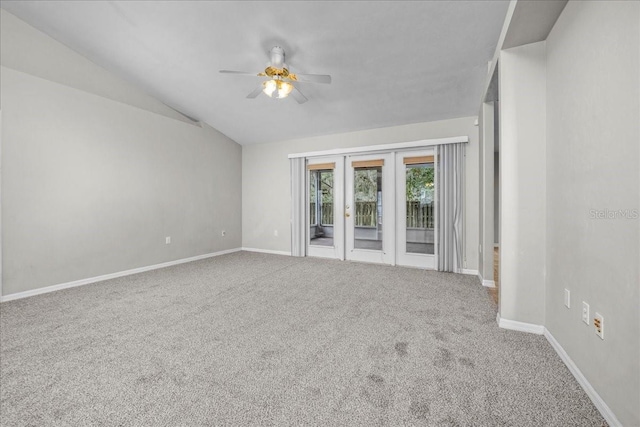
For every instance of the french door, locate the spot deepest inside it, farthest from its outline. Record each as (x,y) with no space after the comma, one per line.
(368,210)
(325,178)
(416,237)
(377,208)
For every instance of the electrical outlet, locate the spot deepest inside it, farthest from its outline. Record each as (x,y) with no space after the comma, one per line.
(585,312)
(167,240)
(598,322)
(275,233)
(224,233)
(567,298)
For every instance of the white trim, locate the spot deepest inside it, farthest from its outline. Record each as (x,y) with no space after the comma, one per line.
(599,403)
(468,271)
(266,251)
(488,283)
(109,276)
(1,262)
(514,325)
(383,147)
(496,245)
(493,64)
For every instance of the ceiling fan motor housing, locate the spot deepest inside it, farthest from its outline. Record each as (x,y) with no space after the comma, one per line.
(277,57)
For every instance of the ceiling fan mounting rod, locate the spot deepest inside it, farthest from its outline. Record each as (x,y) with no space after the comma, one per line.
(277,57)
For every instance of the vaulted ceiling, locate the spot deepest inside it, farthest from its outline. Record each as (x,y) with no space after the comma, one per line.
(392,63)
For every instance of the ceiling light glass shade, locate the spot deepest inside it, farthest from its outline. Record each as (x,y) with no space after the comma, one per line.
(277,88)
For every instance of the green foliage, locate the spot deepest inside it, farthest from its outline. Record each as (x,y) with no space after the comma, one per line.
(326,186)
(366,185)
(418,180)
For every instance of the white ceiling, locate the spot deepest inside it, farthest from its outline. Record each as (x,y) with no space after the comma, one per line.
(392,63)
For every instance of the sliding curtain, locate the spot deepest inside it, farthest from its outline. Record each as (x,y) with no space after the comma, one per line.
(298,216)
(450,176)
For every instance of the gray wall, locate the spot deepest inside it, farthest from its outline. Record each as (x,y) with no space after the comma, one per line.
(27,49)
(522,183)
(266,198)
(92,185)
(485,181)
(496,198)
(592,163)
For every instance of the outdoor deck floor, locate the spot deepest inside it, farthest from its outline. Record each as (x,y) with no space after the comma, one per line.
(376,245)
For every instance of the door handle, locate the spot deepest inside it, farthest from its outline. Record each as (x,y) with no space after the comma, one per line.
(347,214)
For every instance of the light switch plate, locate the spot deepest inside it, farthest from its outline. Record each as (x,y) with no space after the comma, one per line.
(585,312)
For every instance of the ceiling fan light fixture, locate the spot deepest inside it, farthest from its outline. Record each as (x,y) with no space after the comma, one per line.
(281,81)
(277,88)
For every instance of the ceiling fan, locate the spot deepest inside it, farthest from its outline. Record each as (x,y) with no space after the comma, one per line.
(282,82)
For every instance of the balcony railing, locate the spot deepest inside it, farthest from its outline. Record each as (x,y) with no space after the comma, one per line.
(366,214)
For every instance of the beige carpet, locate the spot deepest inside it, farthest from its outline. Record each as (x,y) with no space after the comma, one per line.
(254,339)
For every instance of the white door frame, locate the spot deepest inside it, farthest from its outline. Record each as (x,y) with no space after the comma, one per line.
(387,254)
(337,250)
(393,210)
(1,260)
(403,257)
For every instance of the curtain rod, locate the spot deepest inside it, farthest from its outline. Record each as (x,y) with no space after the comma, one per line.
(383,147)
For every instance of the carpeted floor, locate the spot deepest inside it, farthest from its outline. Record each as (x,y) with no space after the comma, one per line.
(254,339)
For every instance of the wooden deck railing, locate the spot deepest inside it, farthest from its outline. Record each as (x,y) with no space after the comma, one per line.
(366,214)
(419,216)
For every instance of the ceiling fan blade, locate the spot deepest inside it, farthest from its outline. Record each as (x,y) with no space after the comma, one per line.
(244,73)
(298,96)
(255,93)
(313,78)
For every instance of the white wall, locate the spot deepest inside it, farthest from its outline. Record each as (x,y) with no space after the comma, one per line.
(496,200)
(27,49)
(593,150)
(92,185)
(522,183)
(485,181)
(266,187)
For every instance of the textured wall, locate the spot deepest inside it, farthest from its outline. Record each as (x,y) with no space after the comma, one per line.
(522,183)
(94,176)
(593,164)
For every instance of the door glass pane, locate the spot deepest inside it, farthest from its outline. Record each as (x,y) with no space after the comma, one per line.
(367,197)
(321,207)
(420,208)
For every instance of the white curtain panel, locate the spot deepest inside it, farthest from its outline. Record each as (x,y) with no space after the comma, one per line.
(450,176)
(298,217)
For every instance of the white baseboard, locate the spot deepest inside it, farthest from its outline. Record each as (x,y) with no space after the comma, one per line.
(81,282)
(514,325)
(599,403)
(488,283)
(468,271)
(267,251)
(604,409)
